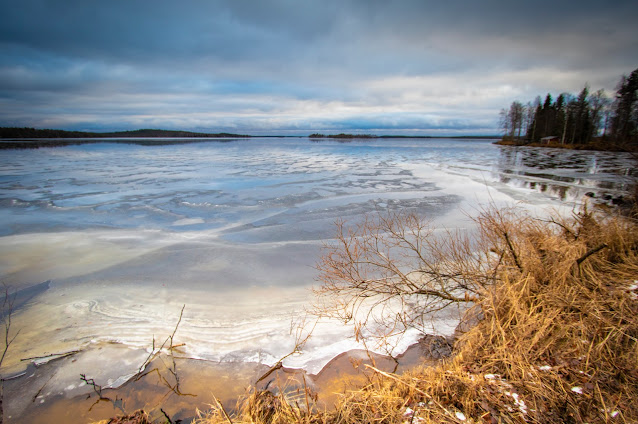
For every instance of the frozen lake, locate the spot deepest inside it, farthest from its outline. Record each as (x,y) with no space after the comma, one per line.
(129,233)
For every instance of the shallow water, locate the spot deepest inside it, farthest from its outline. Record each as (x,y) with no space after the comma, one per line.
(128,234)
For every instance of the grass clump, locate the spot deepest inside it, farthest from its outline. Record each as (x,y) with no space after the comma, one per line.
(557,342)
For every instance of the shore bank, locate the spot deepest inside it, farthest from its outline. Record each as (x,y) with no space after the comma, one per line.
(597,146)
(39,397)
(556,342)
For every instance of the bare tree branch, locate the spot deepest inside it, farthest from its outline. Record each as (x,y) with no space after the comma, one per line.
(7,312)
(390,273)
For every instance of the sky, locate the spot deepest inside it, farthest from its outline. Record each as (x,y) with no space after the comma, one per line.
(294,67)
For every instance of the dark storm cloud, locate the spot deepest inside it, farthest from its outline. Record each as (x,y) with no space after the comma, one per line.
(282,63)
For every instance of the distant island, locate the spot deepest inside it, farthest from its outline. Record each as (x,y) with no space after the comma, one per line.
(342,136)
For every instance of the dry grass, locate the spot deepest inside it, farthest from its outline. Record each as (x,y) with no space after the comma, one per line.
(138,417)
(558,342)
(262,407)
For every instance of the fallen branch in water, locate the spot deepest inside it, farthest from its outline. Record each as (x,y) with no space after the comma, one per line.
(170,345)
(96,387)
(53,356)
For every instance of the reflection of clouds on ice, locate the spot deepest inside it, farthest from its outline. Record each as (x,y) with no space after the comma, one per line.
(29,258)
(223,184)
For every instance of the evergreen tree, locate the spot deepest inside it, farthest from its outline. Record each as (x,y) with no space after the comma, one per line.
(581,115)
(530,112)
(542,119)
(568,118)
(625,117)
(547,116)
(558,126)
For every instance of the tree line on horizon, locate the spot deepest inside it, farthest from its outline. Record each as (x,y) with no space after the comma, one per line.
(27,132)
(582,119)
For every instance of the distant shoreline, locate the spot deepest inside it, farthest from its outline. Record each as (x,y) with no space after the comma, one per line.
(28,133)
(31,138)
(595,146)
(36,143)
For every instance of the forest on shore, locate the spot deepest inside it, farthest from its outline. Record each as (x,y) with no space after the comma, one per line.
(590,120)
(16,132)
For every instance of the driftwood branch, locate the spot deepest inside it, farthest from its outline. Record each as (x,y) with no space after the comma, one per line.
(53,356)
(591,252)
(512,251)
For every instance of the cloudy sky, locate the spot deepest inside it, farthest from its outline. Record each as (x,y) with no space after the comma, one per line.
(301,66)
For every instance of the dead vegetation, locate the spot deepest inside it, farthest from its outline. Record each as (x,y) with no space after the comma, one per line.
(557,342)
(394,272)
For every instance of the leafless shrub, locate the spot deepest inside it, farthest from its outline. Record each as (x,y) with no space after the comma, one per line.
(393,272)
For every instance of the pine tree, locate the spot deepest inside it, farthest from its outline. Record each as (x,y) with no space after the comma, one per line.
(547,116)
(625,119)
(558,127)
(581,123)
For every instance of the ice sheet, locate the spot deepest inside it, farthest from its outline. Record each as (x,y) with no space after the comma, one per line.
(129,234)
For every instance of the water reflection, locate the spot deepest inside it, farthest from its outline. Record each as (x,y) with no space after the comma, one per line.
(568,174)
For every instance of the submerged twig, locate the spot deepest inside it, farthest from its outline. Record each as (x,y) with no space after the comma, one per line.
(52,355)
(7,312)
(33,399)
(169,343)
(96,387)
(166,416)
